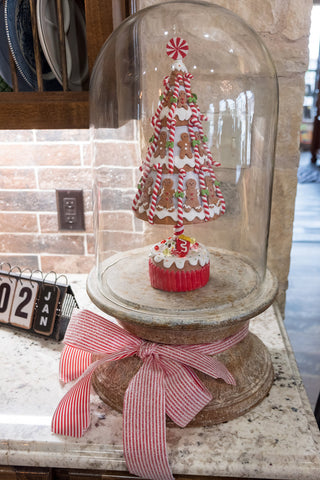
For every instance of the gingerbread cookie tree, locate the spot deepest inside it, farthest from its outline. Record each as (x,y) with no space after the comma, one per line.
(178,185)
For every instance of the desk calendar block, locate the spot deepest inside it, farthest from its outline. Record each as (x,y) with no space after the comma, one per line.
(23,304)
(47,307)
(7,290)
(34,304)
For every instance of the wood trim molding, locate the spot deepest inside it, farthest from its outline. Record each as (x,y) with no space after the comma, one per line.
(29,110)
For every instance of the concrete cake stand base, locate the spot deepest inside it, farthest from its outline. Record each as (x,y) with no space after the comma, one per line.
(234,294)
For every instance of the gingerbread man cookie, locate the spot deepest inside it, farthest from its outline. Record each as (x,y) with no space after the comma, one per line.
(182,100)
(166,101)
(166,197)
(212,197)
(200,145)
(161,147)
(185,146)
(173,75)
(146,192)
(191,196)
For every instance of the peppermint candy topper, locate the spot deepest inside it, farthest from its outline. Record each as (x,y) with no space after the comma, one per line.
(177,48)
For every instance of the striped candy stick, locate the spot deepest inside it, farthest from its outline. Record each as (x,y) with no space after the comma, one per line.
(187,84)
(193,121)
(194,107)
(218,191)
(171,122)
(146,165)
(182,174)
(197,116)
(175,95)
(203,194)
(204,144)
(172,131)
(139,192)
(178,230)
(155,117)
(153,146)
(195,148)
(154,197)
(198,124)
(166,81)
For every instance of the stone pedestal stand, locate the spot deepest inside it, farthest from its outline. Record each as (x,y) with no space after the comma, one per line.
(234,294)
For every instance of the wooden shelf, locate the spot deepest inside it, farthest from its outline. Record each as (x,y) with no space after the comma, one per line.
(47,110)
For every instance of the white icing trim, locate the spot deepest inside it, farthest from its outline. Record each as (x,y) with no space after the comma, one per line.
(183,114)
(177,161)
(179,65)
(200,256)
(189,216)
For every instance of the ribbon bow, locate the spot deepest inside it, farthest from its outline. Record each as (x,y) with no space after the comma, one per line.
(179,194)
(165,384)
(193,98)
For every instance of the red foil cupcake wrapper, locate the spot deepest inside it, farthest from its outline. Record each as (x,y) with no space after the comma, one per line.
(179,281)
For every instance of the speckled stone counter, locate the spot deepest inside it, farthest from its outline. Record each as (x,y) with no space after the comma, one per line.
(278,439)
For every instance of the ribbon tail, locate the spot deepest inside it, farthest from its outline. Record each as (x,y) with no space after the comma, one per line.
(204,363)
(144,423)
(186,395)
(73,362)
(72,415)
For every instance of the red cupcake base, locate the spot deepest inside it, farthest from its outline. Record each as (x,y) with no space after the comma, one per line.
(178,281)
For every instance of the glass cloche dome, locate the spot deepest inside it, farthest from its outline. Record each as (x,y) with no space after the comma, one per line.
(183,114)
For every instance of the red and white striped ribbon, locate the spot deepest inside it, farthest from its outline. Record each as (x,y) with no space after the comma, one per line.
(165,384)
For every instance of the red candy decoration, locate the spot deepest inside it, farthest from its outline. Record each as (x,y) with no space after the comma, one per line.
(182,247)
(177,48)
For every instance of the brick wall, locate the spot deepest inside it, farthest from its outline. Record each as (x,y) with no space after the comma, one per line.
(33,164)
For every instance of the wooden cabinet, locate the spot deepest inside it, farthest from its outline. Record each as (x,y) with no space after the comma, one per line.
(64,109)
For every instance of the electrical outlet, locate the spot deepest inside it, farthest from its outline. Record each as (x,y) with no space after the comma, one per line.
(70,209)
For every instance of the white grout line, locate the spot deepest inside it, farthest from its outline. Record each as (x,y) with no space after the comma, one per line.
(38,222)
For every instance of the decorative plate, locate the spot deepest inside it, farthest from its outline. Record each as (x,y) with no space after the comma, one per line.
(75,40)
(5,71)
(17,18)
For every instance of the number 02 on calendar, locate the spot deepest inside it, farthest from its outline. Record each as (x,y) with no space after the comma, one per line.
(17,301)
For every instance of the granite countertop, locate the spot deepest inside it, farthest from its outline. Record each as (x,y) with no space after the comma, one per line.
(278,439)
